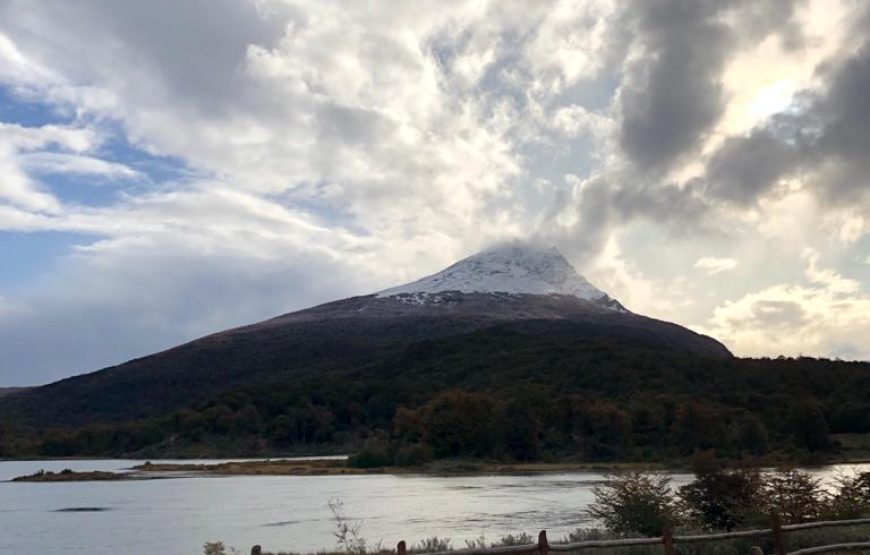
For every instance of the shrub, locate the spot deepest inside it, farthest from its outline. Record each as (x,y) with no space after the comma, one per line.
(214,548)
(851,499)
(519,539)
(347,532)
(373,455)
(588,534)
(635,503)
(794,494)
(431,545)
(723,499)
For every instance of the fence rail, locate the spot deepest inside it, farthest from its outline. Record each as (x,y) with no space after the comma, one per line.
(668,540)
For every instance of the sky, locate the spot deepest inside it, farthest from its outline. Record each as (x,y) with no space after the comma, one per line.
(170,169)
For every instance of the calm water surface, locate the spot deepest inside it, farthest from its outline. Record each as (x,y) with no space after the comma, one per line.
(176,516)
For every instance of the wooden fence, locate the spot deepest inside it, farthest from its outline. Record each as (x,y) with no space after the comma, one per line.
(668,541)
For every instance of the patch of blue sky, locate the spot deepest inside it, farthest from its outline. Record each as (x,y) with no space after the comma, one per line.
(323,210)
(89,189)
(94,189)
(158,168)
(15,109)
(594,93)
(27,257)
(154,169)
(560,156)
(846,351)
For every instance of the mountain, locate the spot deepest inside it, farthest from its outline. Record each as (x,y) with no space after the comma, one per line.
(512,269)
(512,289)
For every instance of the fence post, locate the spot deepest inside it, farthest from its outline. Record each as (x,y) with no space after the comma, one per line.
(401,549)
(543,545)
(668,539)
(256,550)
(778,535)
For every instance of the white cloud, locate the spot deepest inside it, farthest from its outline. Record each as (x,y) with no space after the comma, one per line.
(573,120)
(829,316)
(57,162)
(16,68)
(570,43)
(18,189)
(20,153)
(713,265)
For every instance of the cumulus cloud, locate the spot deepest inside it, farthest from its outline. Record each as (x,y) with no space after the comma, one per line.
(713,265)
(829,315)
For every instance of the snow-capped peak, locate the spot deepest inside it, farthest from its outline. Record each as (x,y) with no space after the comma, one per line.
(513,268)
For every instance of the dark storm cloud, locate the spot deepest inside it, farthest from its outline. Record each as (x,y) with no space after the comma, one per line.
(607,201)
(668,204)
(672,93)
(745,167)
(845,137)
(824,141)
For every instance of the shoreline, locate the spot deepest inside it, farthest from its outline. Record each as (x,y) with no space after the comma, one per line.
(339,467)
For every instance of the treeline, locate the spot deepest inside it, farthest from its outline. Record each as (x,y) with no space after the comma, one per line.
(508,397)
(533,426)
(528,425)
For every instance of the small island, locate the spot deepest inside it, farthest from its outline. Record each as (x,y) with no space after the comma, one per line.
(68,475)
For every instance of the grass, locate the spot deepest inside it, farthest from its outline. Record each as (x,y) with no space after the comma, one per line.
(339,467)
(268,467)
(68,475)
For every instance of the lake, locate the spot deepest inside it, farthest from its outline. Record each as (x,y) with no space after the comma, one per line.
(176,516)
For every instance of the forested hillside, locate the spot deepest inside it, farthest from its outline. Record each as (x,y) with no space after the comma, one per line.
(505,392)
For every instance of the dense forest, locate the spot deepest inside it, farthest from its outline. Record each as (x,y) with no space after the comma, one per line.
(508,396)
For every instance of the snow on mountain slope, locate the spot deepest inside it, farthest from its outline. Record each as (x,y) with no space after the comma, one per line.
(513,268)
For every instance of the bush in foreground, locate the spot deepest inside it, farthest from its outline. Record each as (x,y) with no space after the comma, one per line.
(635,503)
